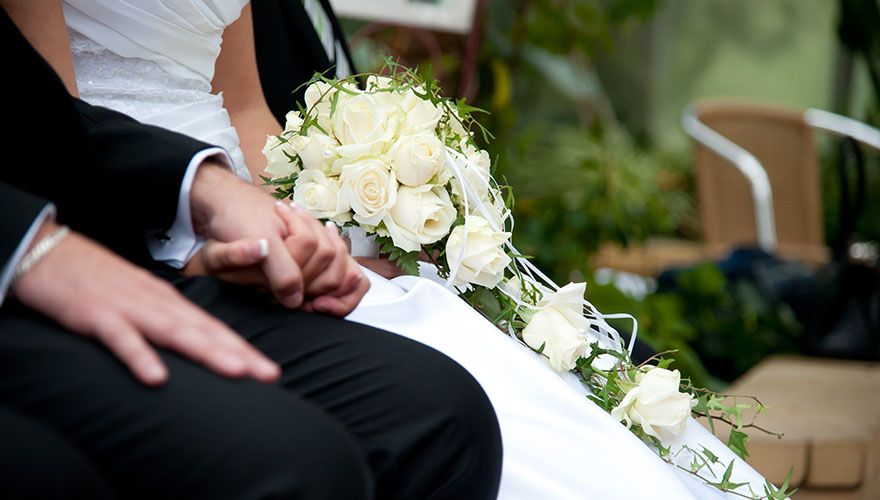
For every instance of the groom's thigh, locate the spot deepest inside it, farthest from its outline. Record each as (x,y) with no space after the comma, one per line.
(197,436)
(428,428)
(35,463)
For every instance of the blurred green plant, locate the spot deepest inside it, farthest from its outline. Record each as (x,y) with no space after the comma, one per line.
(577,189)
(719,327)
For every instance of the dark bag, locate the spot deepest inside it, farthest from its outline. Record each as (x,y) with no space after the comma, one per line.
(846,312)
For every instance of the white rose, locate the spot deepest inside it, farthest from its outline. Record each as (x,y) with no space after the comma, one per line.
(416,159)
(482,255)
(378,82)
(369,188)
(419,115)
(422,215)
(656,404)
(455,128)
(361,125)
(317,97)
(318,194)
(278,163)
(560,326)
(513,287)
(293,121)
(475,171)
(317,151)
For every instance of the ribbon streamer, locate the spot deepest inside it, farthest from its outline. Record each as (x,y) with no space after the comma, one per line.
(455,160)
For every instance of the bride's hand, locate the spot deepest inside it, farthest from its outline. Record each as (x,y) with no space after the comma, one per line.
(235,262)
(306,265)
(380,266)
(238,262)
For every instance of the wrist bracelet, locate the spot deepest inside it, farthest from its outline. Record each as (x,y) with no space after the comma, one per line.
(39,251)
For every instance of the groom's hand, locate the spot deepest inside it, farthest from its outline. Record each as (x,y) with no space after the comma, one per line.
(93,292)
(305,264)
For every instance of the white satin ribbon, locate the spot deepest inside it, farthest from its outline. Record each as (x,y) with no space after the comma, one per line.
(454,159)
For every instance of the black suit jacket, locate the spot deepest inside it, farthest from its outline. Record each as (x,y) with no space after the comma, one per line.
(110,176)
(289,51)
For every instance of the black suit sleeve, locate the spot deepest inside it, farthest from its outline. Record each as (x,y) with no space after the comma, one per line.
(19,210)
(110,176)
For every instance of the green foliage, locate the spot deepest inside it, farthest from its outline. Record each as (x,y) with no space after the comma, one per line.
(736,441)
(737,325)
(577,189)
(779,494)
(726,484)
(406,261)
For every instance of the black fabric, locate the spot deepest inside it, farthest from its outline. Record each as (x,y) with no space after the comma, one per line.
(289,51)
(18,209)
(845,314)
(358,411)
(35,464)
(355,406)
(110,176)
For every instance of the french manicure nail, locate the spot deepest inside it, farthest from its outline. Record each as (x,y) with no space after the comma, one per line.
(264,247)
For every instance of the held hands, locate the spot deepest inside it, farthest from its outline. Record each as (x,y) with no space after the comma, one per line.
(93,292)
(268,244)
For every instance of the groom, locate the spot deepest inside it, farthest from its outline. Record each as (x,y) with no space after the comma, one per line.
(230,397)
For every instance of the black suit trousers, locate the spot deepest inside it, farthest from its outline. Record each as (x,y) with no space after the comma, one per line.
(358,412)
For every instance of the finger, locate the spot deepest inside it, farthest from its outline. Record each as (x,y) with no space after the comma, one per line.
(332,278)
(324,260)
(249,276)
(130,347)
(188,330)
(303,239)
(282,270)
(219,256)
(201,337)
(342,306)
(382,267)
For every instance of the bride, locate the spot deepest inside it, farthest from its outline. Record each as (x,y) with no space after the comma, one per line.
(161,62)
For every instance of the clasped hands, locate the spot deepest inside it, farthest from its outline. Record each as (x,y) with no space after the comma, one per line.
(304,264)
(92,291)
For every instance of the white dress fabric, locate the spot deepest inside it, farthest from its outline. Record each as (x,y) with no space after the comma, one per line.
(154,59)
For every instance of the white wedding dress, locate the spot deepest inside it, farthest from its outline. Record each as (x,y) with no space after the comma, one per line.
(154,60)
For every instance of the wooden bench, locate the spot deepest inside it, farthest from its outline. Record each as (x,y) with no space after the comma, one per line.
(829,411)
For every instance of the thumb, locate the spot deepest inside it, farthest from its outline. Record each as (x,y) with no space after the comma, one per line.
(220,256)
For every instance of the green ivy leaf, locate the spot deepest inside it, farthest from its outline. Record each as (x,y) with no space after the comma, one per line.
(771,492)
(737,443)
(709,455)
(726,484)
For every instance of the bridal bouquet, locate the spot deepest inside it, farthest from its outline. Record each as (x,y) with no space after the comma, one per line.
(400,162)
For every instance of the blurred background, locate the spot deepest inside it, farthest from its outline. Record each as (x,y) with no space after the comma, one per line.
(586,100)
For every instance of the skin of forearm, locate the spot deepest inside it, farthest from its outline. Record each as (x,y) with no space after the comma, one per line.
(253,125)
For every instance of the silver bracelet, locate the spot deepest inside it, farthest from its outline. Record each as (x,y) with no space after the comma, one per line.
(39,251)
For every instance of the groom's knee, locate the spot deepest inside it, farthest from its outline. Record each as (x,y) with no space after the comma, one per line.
(455,440)
(307,456)
(265,443)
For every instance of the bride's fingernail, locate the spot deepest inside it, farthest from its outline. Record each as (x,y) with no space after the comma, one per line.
(260,249)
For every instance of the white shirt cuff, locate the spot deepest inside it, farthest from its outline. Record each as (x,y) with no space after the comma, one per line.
(47,213)
(177,246)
